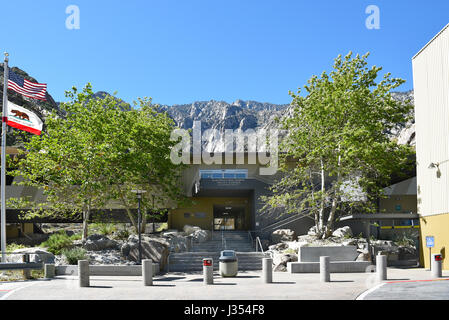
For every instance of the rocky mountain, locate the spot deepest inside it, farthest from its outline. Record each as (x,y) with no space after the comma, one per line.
(221,115)
(245,115)
(213,114)
(406,132)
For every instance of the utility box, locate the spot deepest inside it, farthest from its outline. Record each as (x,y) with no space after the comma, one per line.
(228,263)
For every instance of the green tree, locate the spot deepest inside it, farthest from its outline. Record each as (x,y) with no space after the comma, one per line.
(339,136)
(98,152)
(139,158)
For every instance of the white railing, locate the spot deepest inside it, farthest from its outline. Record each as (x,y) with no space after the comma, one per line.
(259,245)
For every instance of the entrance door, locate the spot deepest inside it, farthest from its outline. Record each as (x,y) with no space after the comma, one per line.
(229,217)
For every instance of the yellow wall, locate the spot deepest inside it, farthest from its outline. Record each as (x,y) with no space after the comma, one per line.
(437,226)
(12,230)
(176,218)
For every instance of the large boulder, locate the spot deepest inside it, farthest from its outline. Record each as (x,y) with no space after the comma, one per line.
(280,261)
(36,255)
(177,241)
(190,229)
(364,255)
(312,231)
(201,235)
(154,248)
(105,257)
(342,232)
(281,235)
(98,242)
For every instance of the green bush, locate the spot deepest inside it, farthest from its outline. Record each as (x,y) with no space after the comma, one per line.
(404,240)
(14,246)
(122,234)
(58,241)
(76,236)
(105,229)
(73,255)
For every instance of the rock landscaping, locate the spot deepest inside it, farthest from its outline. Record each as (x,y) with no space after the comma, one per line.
(111,249)
(285,246)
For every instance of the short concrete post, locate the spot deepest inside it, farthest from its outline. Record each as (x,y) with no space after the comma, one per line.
(437,270)
(26,273)
(49,271)
(325,274)
(381,267)
(267,270)
(208,271)
(147,272)
(83,273)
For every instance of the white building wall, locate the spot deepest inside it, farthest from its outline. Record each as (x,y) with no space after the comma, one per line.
(431,85)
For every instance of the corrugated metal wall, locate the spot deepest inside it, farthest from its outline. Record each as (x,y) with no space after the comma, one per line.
(431,84)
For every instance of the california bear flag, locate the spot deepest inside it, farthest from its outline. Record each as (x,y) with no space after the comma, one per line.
(23,119)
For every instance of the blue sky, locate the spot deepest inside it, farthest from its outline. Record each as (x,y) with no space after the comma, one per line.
(183,51)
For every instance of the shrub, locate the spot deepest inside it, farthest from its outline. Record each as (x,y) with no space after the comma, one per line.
(58,241)
(107,229)
(122,234)
(73,255)
(76,236)
(104,228)
(14,246)
(404,240)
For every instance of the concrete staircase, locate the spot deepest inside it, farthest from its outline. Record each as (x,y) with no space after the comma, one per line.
(192,261)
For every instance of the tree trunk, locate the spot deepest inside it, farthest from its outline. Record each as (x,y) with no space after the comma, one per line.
(86,216)
(320,225)
(128,211)
(331,219)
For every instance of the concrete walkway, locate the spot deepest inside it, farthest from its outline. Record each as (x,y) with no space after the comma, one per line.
(247,286)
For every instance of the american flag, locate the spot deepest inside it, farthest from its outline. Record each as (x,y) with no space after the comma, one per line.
(25,87)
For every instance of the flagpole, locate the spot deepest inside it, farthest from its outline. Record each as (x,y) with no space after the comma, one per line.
(3,160)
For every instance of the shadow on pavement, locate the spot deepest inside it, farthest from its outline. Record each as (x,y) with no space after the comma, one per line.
(170,278)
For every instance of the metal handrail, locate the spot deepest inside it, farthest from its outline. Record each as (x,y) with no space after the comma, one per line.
(259,243)
(283,222)
(250,238)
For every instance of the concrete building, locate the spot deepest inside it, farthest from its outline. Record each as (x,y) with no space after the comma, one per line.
(227,197)
(431,84)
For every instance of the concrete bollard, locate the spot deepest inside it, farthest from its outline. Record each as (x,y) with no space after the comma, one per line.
(381,267)
(325,274)
(26,273)
(49,271)
(437,270)
(83,273)
(147,272)
(267,270)
(208,271)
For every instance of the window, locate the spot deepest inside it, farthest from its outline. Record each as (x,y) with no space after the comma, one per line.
(200,215)
(224,174)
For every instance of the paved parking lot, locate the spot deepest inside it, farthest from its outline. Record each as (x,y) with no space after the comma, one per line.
(246,286)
